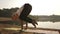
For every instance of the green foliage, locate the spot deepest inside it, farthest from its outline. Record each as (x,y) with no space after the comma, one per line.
(7,12)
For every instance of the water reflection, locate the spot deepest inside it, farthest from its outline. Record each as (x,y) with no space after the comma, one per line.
(48,24)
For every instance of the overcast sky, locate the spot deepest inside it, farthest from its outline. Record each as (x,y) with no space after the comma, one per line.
(40,7)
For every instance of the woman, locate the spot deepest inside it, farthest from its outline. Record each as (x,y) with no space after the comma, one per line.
(23,13)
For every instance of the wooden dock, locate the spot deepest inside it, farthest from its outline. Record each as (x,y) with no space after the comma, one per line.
(30,30)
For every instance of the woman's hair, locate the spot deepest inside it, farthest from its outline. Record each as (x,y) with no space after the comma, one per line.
(27,4)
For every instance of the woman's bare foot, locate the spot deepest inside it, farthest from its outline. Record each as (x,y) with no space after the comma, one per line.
(34,23)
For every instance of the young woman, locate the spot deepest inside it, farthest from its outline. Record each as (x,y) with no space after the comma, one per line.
(23,13)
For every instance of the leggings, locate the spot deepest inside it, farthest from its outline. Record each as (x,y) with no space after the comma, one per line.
(24,14)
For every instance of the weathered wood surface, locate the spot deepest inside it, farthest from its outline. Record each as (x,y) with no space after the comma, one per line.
(5,19)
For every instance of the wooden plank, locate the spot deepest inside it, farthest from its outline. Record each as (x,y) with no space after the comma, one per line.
(48,29)
(5,19)
(32,29)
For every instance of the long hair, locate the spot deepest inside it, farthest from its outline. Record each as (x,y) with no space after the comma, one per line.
(27,8)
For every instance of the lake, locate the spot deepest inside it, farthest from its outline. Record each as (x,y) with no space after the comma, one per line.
(48,24)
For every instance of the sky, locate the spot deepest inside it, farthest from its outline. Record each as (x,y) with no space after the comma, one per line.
(39,7)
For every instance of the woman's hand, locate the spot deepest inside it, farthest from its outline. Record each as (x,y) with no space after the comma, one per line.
(15,17)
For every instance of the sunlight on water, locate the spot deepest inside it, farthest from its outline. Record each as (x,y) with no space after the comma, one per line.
(52,25)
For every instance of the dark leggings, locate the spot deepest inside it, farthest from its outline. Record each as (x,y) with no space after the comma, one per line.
(26,11)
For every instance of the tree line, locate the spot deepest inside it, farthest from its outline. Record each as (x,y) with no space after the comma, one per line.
(7,12)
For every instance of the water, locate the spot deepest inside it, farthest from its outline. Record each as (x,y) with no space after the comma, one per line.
(50,25)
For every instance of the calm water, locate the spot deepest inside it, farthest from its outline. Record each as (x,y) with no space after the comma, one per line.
(52,25)
(55,25)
